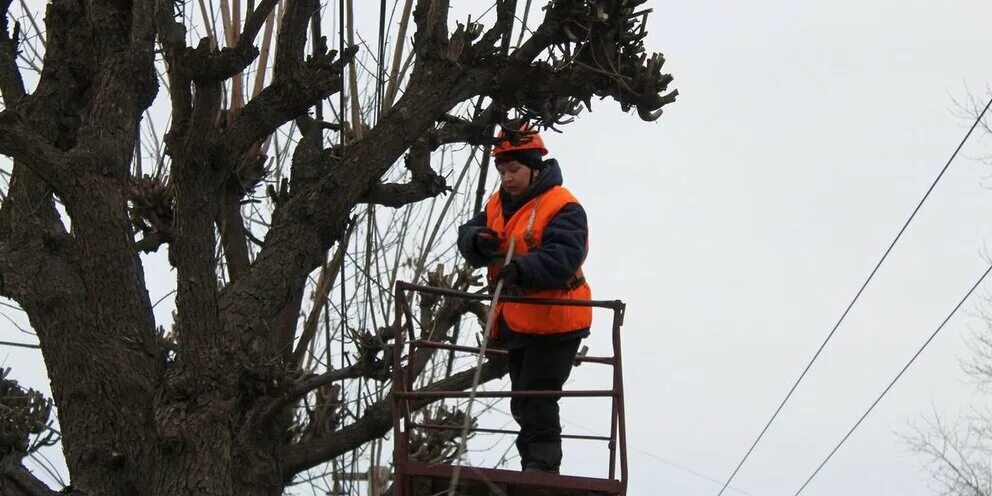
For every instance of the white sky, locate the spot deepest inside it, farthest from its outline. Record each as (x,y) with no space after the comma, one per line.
(739,226)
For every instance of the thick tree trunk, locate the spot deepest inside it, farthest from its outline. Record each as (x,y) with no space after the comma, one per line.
(210,413)
(102,386)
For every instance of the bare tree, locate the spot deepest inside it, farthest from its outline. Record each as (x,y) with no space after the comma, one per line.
(970,108)
(958,455)
(959,450)
(261,203)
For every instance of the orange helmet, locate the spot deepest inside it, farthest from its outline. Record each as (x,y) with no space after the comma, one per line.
(527,138)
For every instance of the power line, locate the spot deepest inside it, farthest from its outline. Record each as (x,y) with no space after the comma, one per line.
(648,454)
(19,345)
(665,461)
(688,470)
(901,372)
(380,71)
(856,297)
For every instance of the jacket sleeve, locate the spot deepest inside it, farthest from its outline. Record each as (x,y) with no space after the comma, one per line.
(466,240)
(562,251)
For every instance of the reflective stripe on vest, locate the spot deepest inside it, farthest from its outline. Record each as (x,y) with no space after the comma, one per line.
(527,227)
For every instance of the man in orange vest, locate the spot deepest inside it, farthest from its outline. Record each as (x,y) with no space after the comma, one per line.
(551,233)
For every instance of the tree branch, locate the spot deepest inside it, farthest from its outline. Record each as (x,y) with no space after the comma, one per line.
(424,183)
(204,65)
(431,17)
(314,217)
(292,39)
(152,241)
(396,195)
(246,176)
(231,227)
(23,413)
(321,293)
(17,480)
(255,21)
(594,53)
(394,73)
(172,36)
(142,22)
(502,28)
(378,419)
(11,81)
(150,202)
(475,132)
(25,146)
(300,389)
(195,182)
(376,422)
(279,103)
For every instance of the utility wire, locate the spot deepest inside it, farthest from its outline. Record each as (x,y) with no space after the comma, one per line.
(901,372)
(20,345)
(856,297)
(380,71)
(636,449)
(655,457)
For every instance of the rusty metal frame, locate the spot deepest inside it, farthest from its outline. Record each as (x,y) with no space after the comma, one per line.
(403,395)
(422,343)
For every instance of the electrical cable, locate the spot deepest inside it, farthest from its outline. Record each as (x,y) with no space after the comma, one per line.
(855,299)
(896,378)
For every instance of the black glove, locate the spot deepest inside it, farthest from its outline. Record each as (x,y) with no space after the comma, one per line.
(487,243)
(509,274)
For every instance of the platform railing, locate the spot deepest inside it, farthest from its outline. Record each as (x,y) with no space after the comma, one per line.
(404,396)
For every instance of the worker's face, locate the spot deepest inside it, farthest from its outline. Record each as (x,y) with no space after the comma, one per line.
(514,176)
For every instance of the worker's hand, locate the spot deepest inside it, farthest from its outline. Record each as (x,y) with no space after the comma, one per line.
(487,243)
(509,274)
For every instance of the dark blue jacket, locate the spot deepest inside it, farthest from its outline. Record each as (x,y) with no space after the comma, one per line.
(562,251)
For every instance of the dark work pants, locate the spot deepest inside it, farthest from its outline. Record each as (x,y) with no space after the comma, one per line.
(542,365)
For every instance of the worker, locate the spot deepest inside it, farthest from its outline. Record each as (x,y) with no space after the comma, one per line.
(551,233)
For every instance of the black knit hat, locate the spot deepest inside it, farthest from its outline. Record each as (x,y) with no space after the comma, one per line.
(530,158)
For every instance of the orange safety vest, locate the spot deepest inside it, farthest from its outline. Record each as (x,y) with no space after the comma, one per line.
(527,226)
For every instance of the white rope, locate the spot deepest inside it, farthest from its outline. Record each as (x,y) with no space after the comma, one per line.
(478,374)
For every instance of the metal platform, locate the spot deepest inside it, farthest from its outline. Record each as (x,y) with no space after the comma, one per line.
(415,478)
(430,480)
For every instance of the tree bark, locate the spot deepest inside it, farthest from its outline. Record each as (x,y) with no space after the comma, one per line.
(211,413)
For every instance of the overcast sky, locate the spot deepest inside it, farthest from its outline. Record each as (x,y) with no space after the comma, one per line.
(738,227)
